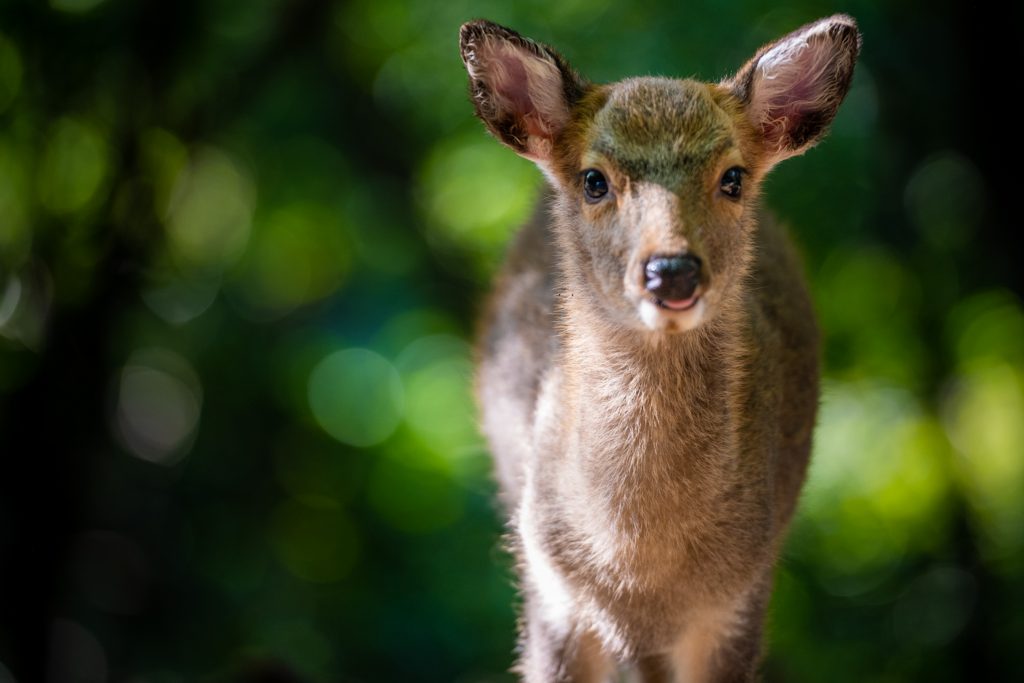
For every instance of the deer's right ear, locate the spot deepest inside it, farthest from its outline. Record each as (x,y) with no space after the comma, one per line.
(522,90)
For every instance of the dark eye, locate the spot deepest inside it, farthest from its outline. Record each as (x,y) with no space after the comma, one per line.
(595,185)
(732,183)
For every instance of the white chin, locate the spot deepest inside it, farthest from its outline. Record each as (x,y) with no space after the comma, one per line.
(657,318)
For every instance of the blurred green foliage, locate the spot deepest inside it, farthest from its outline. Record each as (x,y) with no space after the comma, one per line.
(241,249)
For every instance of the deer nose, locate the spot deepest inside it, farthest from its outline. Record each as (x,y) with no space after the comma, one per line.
(672,278)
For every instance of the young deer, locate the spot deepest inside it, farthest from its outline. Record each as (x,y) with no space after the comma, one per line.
(649,364)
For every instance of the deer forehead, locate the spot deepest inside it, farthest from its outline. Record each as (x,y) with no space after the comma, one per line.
(660,128)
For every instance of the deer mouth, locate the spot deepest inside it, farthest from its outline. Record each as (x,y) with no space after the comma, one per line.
(673,315)
(677,304)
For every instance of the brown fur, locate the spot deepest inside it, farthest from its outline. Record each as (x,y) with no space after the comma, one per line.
(650,460)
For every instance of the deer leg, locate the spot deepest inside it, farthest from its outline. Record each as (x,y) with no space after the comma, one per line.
(723,646)
(655,669)
(559,653)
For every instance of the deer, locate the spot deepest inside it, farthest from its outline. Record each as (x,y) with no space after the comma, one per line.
(648,363)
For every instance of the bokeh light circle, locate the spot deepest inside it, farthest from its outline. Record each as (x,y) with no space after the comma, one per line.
(356,396)
(159,401)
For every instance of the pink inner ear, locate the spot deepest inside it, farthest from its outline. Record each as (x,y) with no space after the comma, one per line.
(529,87)
(513,83)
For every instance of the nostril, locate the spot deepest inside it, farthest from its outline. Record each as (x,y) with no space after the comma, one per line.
(672,278)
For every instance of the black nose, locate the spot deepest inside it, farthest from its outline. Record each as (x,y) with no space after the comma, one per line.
(672,278)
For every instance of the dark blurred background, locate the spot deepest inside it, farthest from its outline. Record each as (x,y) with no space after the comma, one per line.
(241,249)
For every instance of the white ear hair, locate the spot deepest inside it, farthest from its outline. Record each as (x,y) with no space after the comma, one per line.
(787,50)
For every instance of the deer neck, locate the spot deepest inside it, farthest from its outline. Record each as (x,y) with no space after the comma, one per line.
(651,415)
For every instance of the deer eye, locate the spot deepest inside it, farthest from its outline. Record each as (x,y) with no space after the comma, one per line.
(732,182)
(595,185)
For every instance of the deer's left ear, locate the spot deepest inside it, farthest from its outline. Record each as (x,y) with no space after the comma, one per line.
(792,88)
